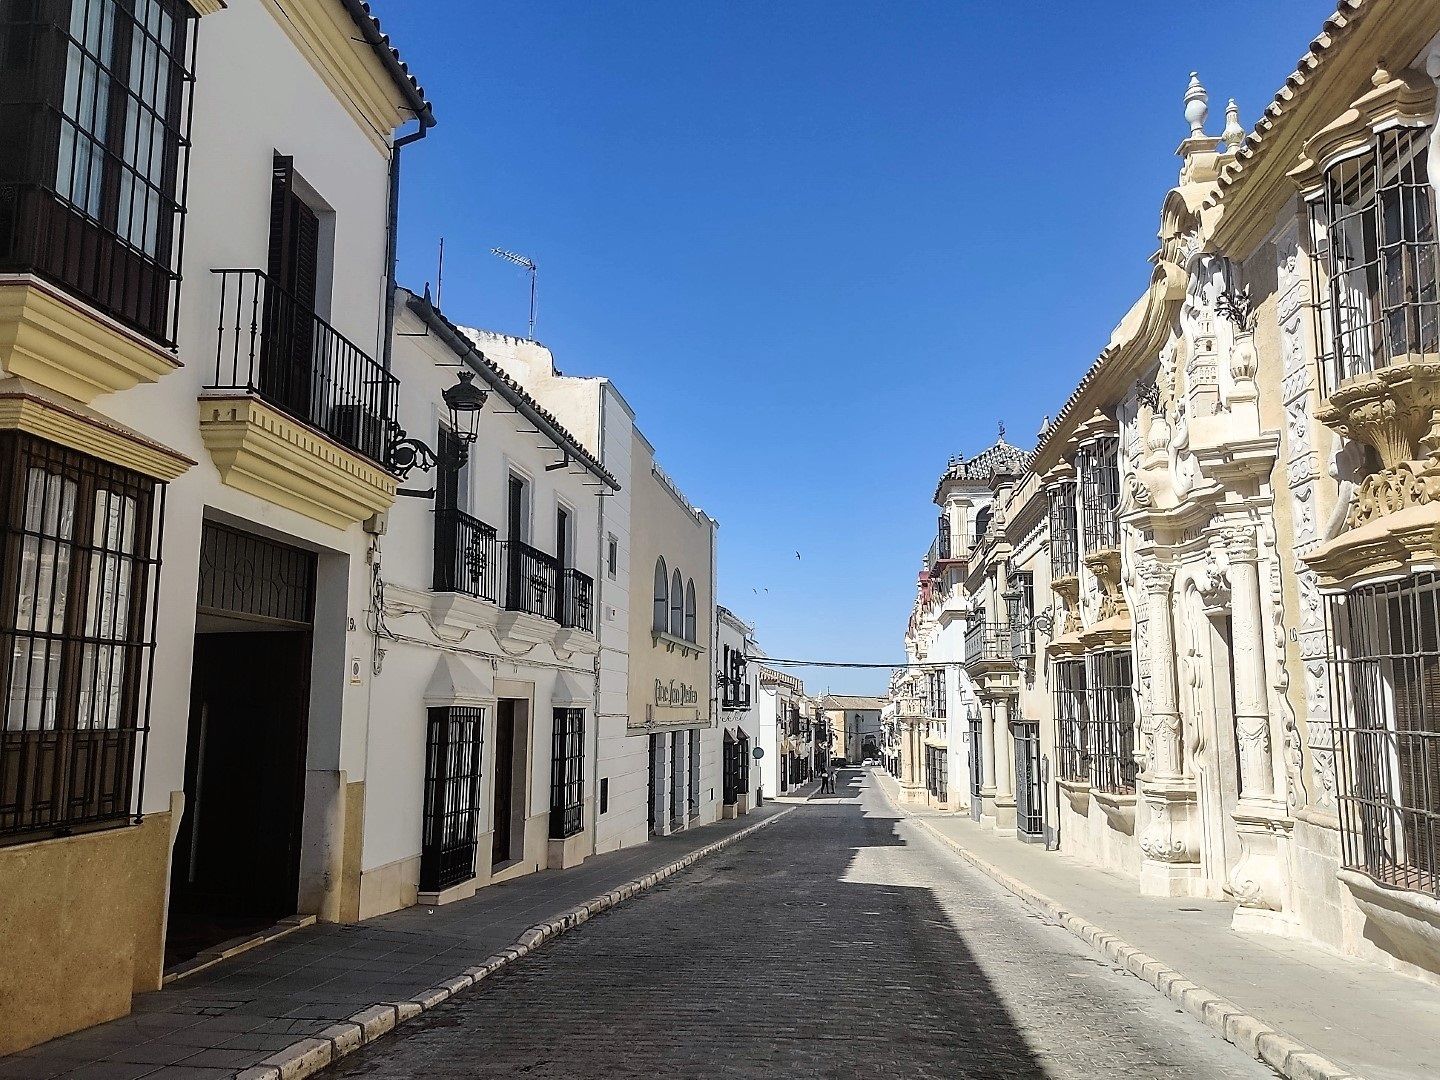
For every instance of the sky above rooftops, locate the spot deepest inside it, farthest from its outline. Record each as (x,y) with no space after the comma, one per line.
(821,248)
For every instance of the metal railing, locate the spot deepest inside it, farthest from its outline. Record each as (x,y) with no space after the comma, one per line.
(467,556)
(272,345)
(986,641)
(532,580)
(577,608)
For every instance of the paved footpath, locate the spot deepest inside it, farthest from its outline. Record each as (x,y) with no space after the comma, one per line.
(1363,1018)
(230,1017)
(843,941)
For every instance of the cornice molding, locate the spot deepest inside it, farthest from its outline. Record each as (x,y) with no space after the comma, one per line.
(23,408)
(325,35)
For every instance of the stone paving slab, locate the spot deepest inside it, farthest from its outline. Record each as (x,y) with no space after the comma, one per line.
(1262,989)
(313,994)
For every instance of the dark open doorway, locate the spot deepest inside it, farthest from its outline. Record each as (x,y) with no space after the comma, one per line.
(511,769)
(236,862)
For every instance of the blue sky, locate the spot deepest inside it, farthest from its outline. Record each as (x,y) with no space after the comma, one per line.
(819,246)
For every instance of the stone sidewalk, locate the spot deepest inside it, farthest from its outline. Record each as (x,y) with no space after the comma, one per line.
(1370,1022)
(234,1015)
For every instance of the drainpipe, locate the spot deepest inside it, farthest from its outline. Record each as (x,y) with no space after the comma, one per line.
(392,229)
(600,578)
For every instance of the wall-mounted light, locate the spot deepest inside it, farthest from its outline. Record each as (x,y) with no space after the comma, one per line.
(463,402)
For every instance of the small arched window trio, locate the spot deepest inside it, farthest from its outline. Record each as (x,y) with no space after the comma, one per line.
(674,612)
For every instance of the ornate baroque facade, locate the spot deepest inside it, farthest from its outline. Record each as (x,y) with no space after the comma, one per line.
(1235,684)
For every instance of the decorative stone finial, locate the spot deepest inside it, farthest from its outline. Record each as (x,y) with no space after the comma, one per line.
(1381,76)
(1197,105)
(1233,134)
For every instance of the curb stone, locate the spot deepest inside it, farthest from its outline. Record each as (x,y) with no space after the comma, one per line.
(308,1056)
(1290,1058)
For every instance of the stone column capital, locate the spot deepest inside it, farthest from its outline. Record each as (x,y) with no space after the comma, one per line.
(1155,577)
(1239,543)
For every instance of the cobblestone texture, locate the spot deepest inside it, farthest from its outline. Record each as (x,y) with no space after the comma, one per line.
(840,942)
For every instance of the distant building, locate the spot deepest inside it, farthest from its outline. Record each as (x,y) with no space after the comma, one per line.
(851,726)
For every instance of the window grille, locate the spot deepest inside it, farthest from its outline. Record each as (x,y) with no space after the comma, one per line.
(79,545)
(937,773)
(1112,723)
(730,770)
(692,803)
(1029,791)
(935,693)
(1072,716)
(1020,608)
(95,109)
(1386,680)
(677,778)
(1100,492)
(567,773)
(1374,232)
(1064,539)
(454,738)
(943,546)
(977,769)
(245,574)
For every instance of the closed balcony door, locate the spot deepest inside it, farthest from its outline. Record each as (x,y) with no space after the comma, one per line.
(288,375)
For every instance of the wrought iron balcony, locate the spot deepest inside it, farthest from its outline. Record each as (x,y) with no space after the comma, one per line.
(467,556)
(987,642)
(577,606)
(272,345)
(532,580)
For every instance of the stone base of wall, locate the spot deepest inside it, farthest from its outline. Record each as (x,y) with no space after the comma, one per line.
(82,928)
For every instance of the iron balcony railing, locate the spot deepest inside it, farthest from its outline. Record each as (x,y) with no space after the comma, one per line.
(985,641)
(735,694)
(470,559)
(467,556)
(577,607)
(272,345)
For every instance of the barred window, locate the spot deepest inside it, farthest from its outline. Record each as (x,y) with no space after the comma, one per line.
(80,543)
(942,540)
(1374,230)
(1064,541)
(1112,723)
(692,805)
(1100,492)
(453,743)
(935,693)
(567,773)
(1387,714)
(94,108)
(1072,718)
(1020,611)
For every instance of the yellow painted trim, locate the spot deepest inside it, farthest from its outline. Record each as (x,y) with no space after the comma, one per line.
(326,36)
(206,7)
(260,450)
(54,340)
(23,410)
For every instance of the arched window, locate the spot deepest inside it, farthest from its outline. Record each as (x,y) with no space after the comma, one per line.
(677,604)
(660,619)
(690,610)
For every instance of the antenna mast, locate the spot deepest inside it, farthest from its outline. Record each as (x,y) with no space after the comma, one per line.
(529,267)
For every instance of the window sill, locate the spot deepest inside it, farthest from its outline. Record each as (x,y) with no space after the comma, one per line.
(671,643)
(1408,921)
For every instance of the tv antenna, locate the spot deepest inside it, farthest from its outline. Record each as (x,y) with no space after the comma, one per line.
(529,267)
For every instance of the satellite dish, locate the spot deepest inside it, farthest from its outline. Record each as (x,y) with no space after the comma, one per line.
(759,752)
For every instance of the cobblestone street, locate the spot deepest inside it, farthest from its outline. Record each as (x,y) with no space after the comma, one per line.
(843,941)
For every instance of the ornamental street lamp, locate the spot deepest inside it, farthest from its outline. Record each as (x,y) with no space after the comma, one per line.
(404,455)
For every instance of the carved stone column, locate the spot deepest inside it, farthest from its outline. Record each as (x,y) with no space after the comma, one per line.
(1170,864)
(987,757)
(1166,755)
(1261,822)
(1247,636)
(1004,767)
